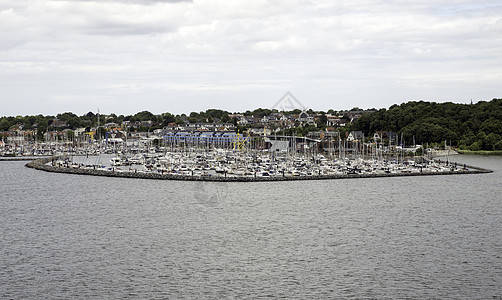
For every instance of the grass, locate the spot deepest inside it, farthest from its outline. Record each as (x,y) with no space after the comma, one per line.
(480,152)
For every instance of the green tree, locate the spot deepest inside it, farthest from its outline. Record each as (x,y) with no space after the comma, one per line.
(145,116)
(490,141)
(323,119)
(167,118)
(476,146)
(5,124)
(225,119)
(498,145)
(71,135)
(431,122)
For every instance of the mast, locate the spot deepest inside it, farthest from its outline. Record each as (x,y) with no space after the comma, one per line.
(447,152)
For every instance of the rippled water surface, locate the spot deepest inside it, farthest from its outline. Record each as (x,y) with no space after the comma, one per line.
(72,236)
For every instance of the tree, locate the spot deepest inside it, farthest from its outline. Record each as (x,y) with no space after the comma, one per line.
(490,141)
(498,146)
(431,122)
(43,124)
(261,112)
(216,114)
(145,116)
(66,116)
(5,124)
(70,134)
(73,123)
(225,119)
(476,146)
(167,118)
(323,120)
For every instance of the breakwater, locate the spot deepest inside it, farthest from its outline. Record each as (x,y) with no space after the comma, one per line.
(42,164)
(16,158)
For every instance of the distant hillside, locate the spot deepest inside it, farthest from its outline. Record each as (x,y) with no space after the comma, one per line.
(469,126)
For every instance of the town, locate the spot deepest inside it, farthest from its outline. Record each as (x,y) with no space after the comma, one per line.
(286,126)
(95,132)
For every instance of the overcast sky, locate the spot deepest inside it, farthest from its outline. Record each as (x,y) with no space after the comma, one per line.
(125,56)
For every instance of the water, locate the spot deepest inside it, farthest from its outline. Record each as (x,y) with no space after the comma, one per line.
(71,236)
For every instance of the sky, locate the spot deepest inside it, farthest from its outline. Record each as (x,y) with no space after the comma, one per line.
(179,56)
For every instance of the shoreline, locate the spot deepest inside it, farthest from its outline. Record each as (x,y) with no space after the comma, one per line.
(480,152)
(41,164)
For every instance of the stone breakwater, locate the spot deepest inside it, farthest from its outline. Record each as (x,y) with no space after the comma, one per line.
(41,164)
(22,158)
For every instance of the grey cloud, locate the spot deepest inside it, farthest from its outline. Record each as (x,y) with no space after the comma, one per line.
(123,28)
(114,18)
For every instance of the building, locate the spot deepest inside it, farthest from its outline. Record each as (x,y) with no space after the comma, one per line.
(355,136)
(58,124)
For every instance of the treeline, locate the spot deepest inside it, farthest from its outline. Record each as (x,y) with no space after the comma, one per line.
(73,121)
(468,126)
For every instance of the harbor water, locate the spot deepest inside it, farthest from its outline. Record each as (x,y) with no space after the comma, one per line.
(84,237)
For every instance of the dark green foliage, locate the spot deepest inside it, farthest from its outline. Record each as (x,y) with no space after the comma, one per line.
(167,118)
(473,127)
(209,116)
(145,116)
(260,112)
(5,124)
(322,120)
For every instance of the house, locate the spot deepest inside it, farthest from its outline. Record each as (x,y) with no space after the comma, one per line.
(333,120)
(385,135)
(111,125)
(355,136)
(58,124)
(79,131)
(305,119)
(260,131)
(272,118)
(245,120)
(224,127)
(242,121)
(146,123)
(238,116)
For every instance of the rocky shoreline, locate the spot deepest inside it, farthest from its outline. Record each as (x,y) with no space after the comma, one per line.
(41,164)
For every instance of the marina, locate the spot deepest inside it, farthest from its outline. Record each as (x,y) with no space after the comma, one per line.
(226,165)
(232,156)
